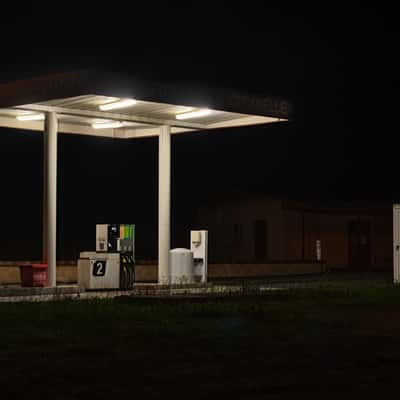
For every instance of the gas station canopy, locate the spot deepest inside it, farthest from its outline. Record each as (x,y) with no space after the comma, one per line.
(79,98)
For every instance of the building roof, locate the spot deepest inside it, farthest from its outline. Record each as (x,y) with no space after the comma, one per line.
(246,199)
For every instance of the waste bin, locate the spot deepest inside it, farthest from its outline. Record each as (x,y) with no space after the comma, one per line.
(181,266)
(34,275)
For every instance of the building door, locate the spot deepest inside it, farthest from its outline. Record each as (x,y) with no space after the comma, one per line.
(260,240)
(359,245)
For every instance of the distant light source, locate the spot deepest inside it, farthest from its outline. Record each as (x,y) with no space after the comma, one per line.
(30,117)
(118,104)
(105,125)
(194,114)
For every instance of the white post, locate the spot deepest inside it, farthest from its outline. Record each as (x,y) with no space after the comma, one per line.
(396,243)
(50,196)
(164,199)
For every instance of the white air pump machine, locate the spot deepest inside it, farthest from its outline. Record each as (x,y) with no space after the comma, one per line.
(199,248)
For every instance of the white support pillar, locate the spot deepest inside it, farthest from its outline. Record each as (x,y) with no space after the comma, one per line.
(164,199)
(50,196)
(44,200)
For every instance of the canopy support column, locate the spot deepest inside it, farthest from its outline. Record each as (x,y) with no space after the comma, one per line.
(164,199)
(49,254)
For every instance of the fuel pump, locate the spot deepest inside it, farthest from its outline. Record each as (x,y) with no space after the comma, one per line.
(112,266)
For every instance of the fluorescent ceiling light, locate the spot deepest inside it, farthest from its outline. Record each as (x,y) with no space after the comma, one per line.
(110,125)
(194,114)
(30,117)
(118,104)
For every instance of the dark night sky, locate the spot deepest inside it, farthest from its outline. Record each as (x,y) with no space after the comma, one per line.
(338,64)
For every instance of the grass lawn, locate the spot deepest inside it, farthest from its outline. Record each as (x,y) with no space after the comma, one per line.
(338,338)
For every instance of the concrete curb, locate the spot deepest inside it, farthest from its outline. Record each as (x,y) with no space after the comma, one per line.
(73,292)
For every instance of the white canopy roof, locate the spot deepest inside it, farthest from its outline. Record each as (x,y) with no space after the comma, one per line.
(77,114)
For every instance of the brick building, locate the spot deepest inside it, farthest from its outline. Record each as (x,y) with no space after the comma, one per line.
(247,228)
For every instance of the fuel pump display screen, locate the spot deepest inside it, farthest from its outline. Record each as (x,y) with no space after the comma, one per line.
(113,238)
(99,268)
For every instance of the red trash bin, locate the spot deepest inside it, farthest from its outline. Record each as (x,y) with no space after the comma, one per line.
(34,275)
